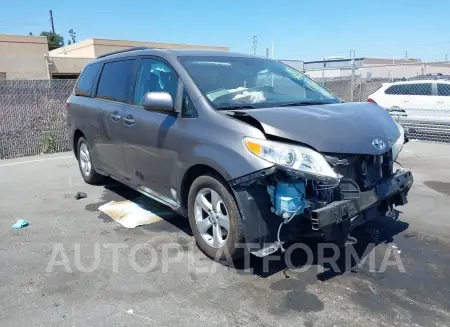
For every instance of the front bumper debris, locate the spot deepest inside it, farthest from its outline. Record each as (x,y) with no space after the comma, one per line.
(393,189)
(332,222)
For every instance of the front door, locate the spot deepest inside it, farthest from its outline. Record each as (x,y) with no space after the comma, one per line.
(112,93)
(145,131)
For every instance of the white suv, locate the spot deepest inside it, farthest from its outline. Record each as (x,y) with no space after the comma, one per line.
(419,99)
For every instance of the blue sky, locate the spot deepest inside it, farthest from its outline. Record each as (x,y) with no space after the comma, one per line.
(305,30)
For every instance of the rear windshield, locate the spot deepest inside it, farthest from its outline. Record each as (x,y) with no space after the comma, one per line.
(252,82)
(87,79)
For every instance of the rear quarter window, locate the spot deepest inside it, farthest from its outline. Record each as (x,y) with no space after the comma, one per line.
(86,80)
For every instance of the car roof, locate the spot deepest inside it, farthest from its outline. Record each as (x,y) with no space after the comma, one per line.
(419,81)
(140,51)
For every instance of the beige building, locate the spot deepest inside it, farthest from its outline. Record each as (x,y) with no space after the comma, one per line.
(23,57)
(27,57)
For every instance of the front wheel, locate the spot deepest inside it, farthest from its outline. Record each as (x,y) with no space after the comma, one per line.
(215,219)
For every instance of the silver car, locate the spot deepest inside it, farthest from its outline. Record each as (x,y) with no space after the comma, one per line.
(253,152)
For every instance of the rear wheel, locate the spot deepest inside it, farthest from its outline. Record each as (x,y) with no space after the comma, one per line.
(85,163)
(215,219)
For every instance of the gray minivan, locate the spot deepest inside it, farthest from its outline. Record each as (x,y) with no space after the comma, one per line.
(253,152)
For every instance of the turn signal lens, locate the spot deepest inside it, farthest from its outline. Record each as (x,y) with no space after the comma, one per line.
(255,148)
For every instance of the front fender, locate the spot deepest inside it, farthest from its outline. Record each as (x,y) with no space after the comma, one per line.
(230,162)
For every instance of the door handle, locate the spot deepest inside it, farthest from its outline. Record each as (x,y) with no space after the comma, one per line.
(405,101)
(115,116)
(128,120)
(440,102)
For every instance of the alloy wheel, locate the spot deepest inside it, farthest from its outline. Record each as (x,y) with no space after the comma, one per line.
(211,217)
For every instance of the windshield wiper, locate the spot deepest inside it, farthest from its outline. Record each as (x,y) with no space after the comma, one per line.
(236,107)
(303,103)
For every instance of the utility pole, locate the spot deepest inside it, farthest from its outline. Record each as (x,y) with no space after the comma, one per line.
(267,52)
(406,54)
(51,22)
(255,44)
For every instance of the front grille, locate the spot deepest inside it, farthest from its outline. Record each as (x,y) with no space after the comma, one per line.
(365,170)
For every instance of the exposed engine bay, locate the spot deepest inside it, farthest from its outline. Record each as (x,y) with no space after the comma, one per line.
(306,207)
(283,203)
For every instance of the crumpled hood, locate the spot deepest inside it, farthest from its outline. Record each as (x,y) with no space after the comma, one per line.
(338,128)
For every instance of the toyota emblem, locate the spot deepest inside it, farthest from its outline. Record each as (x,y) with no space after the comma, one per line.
(379,144)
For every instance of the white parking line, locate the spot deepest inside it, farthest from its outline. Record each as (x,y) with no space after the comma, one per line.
(37,160)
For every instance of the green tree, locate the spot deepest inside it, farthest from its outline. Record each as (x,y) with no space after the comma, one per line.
(73,35)
(55,40)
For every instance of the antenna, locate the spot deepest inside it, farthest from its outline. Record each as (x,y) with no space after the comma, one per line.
(255,44)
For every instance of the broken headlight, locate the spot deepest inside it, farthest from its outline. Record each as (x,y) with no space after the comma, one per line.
(398,145)
(301,160)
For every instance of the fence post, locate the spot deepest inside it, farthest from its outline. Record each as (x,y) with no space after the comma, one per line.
(353,79)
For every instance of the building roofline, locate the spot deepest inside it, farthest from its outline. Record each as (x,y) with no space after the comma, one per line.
(17,38)
(153,42)
(333,60)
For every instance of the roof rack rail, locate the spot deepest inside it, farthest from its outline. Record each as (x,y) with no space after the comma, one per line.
(124,50)
(433,76)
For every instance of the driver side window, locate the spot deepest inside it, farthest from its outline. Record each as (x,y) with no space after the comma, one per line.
(154,76)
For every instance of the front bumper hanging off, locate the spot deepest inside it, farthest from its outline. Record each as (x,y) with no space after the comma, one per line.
(333,221)
(393,189)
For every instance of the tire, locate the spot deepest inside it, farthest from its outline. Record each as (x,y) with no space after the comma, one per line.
(90,176)
(233,246)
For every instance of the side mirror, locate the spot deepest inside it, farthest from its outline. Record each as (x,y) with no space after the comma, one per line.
(158,101)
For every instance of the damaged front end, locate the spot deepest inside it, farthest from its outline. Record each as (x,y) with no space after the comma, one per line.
(307,194)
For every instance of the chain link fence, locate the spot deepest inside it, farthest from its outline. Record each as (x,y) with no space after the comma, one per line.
(416,94)
(33,117)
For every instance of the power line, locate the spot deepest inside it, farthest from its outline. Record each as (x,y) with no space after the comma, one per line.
(20,22)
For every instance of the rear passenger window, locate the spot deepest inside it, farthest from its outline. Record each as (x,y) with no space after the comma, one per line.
(410,89)
(421,89)
(115,80)
(443,89)
(86,80)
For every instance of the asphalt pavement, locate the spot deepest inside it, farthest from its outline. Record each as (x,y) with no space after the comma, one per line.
(74,266)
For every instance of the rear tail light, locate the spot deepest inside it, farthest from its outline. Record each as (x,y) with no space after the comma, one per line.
(67,105)
(371,100)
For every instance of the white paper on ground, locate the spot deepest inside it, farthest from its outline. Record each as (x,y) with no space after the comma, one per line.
(129,214)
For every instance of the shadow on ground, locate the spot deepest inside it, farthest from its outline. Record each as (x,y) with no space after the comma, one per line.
(115,191)
(334,260)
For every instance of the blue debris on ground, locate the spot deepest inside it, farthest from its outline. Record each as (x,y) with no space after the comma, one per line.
(21,223)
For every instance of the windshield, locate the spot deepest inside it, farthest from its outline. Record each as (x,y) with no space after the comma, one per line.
(239,82)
